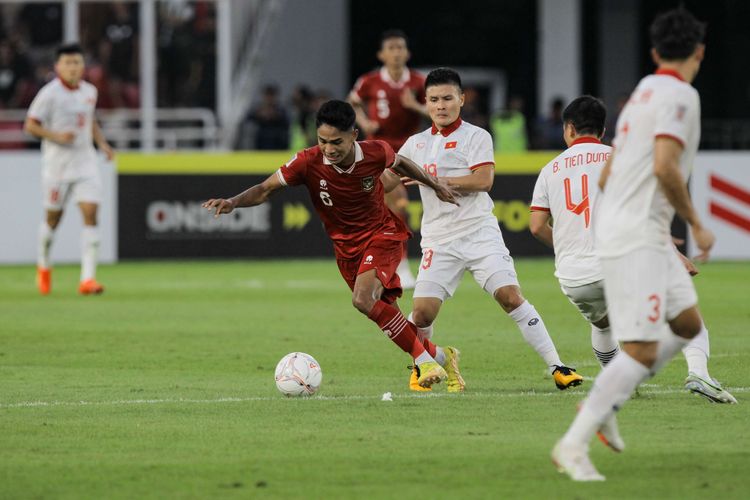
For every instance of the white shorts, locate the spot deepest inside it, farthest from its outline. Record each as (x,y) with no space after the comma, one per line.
(589,299)
(482,253)
(56,193)
(645,289)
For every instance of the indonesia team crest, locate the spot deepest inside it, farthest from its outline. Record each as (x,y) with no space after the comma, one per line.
(368,183)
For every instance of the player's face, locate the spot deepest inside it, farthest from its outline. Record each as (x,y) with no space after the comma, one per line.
(69,67)
(444,104)
(337,145)
(393,53)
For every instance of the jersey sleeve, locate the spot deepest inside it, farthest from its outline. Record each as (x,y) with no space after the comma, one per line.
(675,116)
(480,150)
(407,150)
(390,156)
(360,88)
(540,199)
(293,173)
(41,107)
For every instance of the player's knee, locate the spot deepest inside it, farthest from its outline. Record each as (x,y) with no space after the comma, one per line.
(509,298)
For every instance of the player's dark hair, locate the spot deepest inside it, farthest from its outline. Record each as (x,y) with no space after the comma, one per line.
(442,76)
(587,114)
(337,114)
(393,33)
(68,48)
(676,33)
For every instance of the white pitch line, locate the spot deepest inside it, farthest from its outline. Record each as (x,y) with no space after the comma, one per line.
(524,394)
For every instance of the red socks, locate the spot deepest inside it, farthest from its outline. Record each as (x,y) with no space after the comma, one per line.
(398,328)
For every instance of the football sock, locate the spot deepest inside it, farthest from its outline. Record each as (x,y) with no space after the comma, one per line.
(46,235)
(401,331)
(535,333)
(90,251)
(697,353)
(668,347)
(612,388)
(425,334)
(604,345)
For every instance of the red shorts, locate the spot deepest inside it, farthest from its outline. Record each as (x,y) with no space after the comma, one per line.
(382,255)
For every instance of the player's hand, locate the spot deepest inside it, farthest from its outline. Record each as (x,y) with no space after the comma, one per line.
(408,181)
(689,266)
(108,151)
(221,205)
(704,240)
(409,100)
(370,127)
(64,138)
(446,193)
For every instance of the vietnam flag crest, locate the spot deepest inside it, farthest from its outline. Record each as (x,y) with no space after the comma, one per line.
(451,145)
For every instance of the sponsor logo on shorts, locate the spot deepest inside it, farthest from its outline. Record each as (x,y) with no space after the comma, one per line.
(533,321)
(368,259)
(368,184)
(323,184)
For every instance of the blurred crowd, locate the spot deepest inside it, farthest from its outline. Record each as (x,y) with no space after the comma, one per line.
(30,33)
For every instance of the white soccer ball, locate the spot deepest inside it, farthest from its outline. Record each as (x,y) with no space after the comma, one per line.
(298,374)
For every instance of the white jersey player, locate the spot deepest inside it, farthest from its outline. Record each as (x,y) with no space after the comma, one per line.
(566,192)
(467,237)
(651,300)
(62,115)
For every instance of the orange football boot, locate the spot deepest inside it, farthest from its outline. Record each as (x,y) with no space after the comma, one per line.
(44,280)
(90,287)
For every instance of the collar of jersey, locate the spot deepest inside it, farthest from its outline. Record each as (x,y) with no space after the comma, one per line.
(358,156)
(386,77)
(67,85)
(669,72)
(585,140)
(447,130)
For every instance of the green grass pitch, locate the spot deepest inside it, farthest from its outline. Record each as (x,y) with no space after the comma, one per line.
(163,388)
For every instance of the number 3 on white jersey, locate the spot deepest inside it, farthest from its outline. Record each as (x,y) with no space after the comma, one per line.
(325,197)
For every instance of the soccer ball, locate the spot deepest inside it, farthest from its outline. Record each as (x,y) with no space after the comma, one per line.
(298,374)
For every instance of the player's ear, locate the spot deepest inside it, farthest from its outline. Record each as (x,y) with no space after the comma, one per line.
(380,55)
(655,56)
(355,133)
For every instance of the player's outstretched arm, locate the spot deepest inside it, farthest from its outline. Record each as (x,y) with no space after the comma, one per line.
(36,129)
(540,228)
(101,141)
(408,168)
(667,153)
(249,198)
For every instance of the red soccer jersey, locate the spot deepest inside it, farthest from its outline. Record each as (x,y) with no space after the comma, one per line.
(349,202)
(382,98)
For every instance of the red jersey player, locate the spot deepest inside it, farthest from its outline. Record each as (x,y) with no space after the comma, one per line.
(343,179)
(390,103)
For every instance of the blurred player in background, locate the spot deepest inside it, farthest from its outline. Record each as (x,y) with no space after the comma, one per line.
(389,103)
(343,177)
(566,192)
(651,300)
(466,237)
(62,116)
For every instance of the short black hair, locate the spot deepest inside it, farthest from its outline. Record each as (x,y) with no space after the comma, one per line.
(393,33)
(337,114)
(442,76)
(587,114)
(68,48)
(676,33)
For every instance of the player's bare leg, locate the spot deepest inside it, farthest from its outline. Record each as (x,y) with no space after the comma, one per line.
(43,264)
(397,200)
(535,333)
(366,298)
(89,250)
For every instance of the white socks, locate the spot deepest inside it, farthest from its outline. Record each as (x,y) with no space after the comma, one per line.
(535,333)
(90,252)
(614,385)
(46,235)
(697,353)
(668,347)
(604,345)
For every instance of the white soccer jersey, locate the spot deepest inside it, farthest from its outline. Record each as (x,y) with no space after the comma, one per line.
(455,151)
(61,108)
(634,212)
(567,189)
